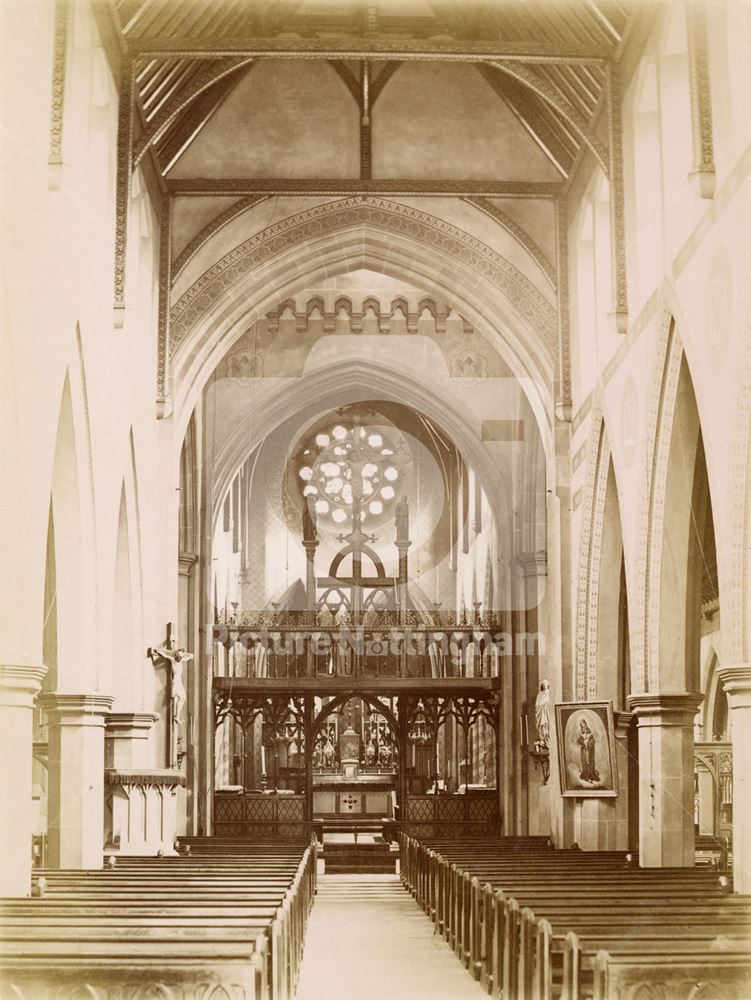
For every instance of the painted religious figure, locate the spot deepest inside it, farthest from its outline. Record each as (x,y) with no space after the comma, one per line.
(586,749)
(587,770)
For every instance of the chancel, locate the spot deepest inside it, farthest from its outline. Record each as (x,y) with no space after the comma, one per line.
(376,406)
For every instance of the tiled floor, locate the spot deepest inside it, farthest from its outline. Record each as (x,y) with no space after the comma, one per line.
(368,940)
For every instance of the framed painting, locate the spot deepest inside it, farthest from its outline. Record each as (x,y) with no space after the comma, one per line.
(586,749)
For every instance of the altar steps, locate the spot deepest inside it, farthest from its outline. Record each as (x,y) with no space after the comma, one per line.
(350,858)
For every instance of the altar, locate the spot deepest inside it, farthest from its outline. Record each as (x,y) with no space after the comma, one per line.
(369,797)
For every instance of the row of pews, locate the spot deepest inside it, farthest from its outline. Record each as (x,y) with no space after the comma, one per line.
(223,920)
(534,923)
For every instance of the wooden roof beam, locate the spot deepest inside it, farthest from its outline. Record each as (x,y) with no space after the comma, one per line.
(206,78)
(357,47)
(412,187)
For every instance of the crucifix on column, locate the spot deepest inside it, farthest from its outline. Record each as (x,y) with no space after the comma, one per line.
(170,655)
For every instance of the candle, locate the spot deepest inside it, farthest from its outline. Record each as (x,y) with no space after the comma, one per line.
(263,759)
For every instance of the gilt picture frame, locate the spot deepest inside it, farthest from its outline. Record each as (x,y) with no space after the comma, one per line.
(585,738)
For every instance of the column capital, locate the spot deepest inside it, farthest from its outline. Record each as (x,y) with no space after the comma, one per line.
(665,708)
(736,680)
(20,684)
(76,709)
(130,725)
(533,563)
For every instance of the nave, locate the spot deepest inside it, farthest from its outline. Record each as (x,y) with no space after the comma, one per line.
(509,917)
(376,386)
(367,937)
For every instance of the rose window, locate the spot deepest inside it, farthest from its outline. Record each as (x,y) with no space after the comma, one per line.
(356,469)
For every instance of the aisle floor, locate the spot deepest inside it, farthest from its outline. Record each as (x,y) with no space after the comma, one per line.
(369,940)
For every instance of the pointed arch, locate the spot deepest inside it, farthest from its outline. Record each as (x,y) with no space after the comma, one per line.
(121,632)
(601,649)
(349,234)
(675,542)
(589,556)
(69,554)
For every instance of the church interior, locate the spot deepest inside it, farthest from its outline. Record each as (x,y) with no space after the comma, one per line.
(376,518)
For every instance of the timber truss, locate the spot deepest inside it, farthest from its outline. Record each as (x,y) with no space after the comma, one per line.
(178,61)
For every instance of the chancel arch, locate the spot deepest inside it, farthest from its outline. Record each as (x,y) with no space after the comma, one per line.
(206,321)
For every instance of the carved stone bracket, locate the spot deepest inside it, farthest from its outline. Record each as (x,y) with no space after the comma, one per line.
(703,169)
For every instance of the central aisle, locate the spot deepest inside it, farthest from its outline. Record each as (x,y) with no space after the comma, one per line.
(368,939)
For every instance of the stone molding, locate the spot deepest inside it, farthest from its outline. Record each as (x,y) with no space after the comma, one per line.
(590,543)
(703,169)
(736,597)
(737,684)
(194,306)
(131,725)
(617,198)
(533,564)
(147,777)
(644,610)
(76,709)
(665,709)
(211,228)
(20,684)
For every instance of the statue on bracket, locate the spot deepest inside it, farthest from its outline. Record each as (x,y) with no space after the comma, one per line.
(542,715)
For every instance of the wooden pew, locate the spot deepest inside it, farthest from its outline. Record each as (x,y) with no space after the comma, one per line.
(494,902)
(230,922)
(712,976)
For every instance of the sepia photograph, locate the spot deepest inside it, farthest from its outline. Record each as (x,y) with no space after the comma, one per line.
(375,507)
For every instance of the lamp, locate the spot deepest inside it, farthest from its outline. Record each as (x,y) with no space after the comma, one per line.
(418,730)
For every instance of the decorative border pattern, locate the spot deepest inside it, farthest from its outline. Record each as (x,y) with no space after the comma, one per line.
(564,319)
(59,53)
(203,236)
(195,304)
(617,197)
(701,98)
(165,284)
(535,251)
(123,181)
(741,527)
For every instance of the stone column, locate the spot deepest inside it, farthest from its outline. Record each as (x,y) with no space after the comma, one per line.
(76,778)
(737,684)
(666,777)
(537,806)
(19,685)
